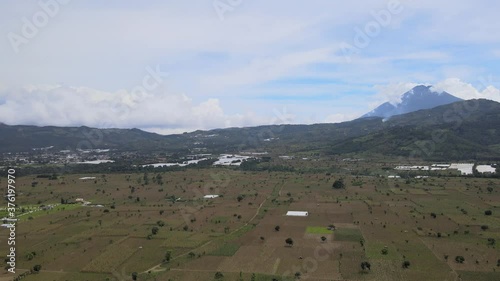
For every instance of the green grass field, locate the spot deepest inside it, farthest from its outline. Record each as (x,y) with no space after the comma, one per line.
(227,249)
(318,230)
(81,239)
(348,234)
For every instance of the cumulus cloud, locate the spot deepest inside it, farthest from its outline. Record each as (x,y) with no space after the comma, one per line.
(392,92)
(466,90)
(158,110)
(228,65)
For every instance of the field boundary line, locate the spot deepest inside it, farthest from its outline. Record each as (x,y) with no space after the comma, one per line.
(158,268)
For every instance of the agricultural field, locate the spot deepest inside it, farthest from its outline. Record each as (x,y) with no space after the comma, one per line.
(157,226)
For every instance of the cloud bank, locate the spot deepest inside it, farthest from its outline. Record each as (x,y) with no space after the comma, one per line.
(159,110)
(166,112)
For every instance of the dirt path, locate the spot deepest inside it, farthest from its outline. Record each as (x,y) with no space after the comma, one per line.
(279,192)
(457,276)
(158,268)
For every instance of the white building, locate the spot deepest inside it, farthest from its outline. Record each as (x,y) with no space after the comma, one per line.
(297,214)
(464,168)
(210,196)
(485,169)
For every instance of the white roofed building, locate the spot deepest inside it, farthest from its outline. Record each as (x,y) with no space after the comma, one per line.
(297,214)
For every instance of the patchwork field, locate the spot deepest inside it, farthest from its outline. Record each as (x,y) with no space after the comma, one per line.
(444,228)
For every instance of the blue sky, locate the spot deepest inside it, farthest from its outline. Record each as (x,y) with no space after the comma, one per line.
(236,63)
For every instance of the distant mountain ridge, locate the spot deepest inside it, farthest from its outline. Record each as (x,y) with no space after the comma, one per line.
(465,130)
(418,98)
(459,131)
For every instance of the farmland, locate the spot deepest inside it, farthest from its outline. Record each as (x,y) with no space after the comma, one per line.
(157,225)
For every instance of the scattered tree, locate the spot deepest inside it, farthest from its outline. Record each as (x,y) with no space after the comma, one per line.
(488,212)
(168,256)
(219,275)
(154,230)
(134,275)
(323,238)
(365,265)
(406,264)
(289,242)
(338,184)
(385,251)
(30,255)
(491,241)
(37,268)
(277,228)
(459,259)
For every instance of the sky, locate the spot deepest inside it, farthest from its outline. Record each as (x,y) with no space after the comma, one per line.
(170,66)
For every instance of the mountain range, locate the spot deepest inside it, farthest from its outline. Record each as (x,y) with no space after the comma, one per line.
(418,98)
(456,131)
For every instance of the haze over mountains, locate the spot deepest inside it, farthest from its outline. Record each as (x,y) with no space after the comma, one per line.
(459,131)
(420,97)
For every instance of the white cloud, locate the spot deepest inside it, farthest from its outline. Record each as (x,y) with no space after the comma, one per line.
(221,65)
(465,90)
(392,92)
(341,117)
(267,69)
(426,55)
(71,106)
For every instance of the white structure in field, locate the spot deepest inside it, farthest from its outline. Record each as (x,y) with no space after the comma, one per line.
(183,164)
(96,162)
(464,168)
(230,160)
(486,169)
(412,168)
(297,214)
(210,196)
